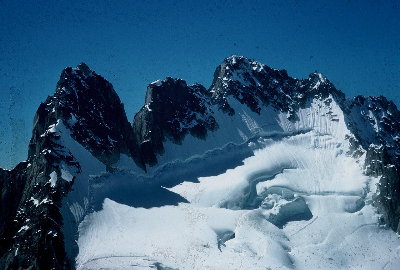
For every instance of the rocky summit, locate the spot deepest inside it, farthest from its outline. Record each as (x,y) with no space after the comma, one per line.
(251,171)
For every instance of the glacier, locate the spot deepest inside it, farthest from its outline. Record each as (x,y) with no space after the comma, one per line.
(297,201)
(260,171)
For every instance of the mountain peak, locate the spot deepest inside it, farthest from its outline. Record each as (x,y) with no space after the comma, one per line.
(253,84)
(167,82)
(180,130)
(318,76)
(241,61)
(172,110)
(245,64)
(84,68)
(87,104)
(78,78)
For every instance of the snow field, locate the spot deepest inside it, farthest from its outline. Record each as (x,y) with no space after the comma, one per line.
(228,222)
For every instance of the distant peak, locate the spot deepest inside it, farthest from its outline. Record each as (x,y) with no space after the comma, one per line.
(242,62)
(235,71)
(236,58)
(317,80)
(318,76)
(171,89)
(73,77)
(167,81)
(84,69)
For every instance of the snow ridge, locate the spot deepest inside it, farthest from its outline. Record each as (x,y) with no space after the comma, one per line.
(251,173)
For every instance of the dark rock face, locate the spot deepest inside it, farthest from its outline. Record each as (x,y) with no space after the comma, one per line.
(91,108)
(87,105)
(11,186)
(375,123)
(257,85)
(32,235)
(375,120)
(380,163)
(172,110)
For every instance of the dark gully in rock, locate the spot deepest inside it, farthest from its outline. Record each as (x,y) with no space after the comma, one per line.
(44,199)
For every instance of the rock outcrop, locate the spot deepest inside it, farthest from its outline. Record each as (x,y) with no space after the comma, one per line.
(86,107)
(172,110)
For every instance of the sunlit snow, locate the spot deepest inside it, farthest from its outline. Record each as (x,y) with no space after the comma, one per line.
(342,232)
(299,202)
(53,179)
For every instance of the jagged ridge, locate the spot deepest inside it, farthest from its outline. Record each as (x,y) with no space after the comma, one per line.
(88,105)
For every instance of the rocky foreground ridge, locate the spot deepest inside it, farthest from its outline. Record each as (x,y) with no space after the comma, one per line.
(36,229)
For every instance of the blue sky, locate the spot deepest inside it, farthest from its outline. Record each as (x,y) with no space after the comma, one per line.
(356,44)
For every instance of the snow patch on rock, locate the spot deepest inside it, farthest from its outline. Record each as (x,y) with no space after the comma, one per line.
(53,179)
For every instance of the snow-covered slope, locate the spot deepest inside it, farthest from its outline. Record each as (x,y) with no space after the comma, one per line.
(299,202)
(260,171)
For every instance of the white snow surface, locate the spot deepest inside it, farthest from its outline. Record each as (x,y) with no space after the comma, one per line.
(53,179)
(309,161)
(236,129)
(304,163)
(76,201)
(246,124)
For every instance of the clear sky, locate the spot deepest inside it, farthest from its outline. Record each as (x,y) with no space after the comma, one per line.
(356,44)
